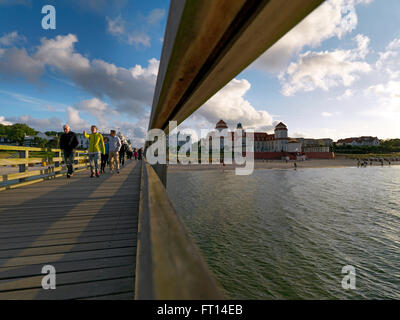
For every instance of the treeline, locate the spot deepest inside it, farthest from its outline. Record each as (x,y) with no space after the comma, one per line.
(17,132)
(386,146)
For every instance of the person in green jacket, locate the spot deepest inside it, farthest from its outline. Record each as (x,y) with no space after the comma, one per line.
(96,146)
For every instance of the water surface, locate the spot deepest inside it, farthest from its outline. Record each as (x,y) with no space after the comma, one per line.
(285,234)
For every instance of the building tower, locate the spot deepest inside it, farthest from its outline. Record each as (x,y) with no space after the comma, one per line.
(221,125)
(281,137)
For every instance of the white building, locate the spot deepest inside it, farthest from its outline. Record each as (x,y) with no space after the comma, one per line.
(83,142)
(360,141)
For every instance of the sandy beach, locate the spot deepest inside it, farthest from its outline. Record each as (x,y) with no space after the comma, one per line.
(278,164)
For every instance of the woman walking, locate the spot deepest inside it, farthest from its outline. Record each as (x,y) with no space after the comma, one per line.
(104,157)
(96,147)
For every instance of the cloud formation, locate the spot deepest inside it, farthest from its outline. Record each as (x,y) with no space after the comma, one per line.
(334,18)
(132,35)
(230,105)
(131,90)
(326,69)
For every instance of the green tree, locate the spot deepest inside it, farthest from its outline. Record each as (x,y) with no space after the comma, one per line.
(17,135)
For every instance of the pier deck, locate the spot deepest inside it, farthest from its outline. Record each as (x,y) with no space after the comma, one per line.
(85,228)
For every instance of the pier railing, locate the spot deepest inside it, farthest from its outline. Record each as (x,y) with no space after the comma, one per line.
(169,265)
(51,163)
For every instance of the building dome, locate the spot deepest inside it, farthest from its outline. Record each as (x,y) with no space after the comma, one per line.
(281,126)
(221,125)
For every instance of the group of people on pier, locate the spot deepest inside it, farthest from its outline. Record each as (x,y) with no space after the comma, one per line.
(108,151)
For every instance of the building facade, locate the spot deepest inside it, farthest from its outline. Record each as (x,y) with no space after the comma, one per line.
(279,144)
(360,141)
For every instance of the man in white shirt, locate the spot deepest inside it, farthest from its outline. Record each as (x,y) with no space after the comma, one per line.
(114,147)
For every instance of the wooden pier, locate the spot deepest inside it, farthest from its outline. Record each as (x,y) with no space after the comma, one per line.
(85,227)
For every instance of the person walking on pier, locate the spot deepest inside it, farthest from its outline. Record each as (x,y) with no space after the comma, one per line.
(96,147)
(122,153)
(104,157)
(140,154)
(68,142)
(115,146)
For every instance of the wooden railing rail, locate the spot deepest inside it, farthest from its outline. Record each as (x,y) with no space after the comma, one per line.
(26,158)
(169,264)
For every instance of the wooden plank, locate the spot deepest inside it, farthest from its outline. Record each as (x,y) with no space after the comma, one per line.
(72,291)
(64,278)
(97,228)
(71,256)
(118,296)
(23,184)
(62,225)
(20,241)
(7,245)
(17,148)
(67,248)
(75,215)
(16,161)
(68,266)
(178,269)
(86,229)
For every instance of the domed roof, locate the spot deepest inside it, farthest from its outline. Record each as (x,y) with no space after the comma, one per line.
(221,125)
(281,125)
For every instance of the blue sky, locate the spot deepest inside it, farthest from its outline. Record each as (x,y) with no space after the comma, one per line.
(335,75)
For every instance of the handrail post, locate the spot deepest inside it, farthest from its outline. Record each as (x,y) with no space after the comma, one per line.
(23,167)
(57,155)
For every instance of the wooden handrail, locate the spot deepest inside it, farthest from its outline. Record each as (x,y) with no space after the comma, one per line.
(169,265)
(53,163)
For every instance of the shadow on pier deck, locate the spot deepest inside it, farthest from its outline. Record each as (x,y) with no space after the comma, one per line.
(85,228)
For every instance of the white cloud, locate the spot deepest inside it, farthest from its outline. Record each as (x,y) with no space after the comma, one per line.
(11,38)
(116,26)
(131,90)
(37,123)
(389,60)
(326,69)
(125,32)
(4,122)
(155,16)
(74,120)
(326,114)
(230,105)
(346,95)
(16,62)
(97,108)
(138,39)
(334,18)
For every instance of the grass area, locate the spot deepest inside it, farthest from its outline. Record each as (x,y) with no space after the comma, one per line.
(370,155)
(4,155)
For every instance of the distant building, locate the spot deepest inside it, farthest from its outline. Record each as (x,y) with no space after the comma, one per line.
(360,141)
(5,140)
(83,142)
(28,140)
(279,144)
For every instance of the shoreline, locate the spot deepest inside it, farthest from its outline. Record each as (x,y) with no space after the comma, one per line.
(279,165)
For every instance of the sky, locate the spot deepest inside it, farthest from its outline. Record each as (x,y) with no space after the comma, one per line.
(335,75)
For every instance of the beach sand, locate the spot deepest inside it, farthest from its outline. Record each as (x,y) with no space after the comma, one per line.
(277,164)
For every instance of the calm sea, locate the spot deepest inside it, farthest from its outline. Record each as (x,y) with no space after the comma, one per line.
(285,234)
